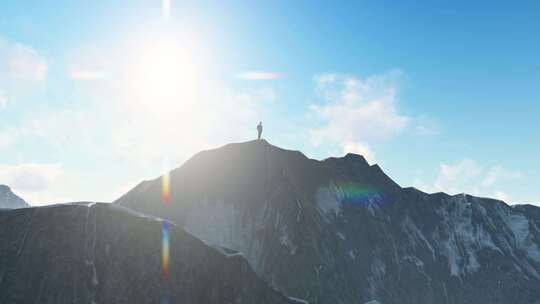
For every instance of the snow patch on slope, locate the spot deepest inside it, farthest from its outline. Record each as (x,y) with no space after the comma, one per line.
(378,272)
(296,300)
(459,239)
(519,225)
(286,241)
(416,237)
(328,201)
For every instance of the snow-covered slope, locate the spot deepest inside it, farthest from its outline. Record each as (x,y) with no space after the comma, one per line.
(341,231)
(9,200)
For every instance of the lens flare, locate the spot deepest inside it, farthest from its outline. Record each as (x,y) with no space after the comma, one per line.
(349,193)
(357,193)
(165,254)
(165,237)
(166,188)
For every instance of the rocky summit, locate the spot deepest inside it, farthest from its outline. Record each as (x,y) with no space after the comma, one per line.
(9,200)
(101,253)
(341,231)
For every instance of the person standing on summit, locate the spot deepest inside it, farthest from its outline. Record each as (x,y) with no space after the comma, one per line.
(259,130)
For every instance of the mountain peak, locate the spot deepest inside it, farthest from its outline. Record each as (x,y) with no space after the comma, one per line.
(9,200)
(253,152)
(356,158)
(341,222)
(256,143)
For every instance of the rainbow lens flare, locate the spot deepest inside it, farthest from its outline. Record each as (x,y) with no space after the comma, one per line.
(165,237)
(349,193)
(165,250)
(166,188)
(357,194)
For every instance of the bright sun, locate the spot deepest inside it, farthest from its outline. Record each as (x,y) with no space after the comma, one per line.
(165,73)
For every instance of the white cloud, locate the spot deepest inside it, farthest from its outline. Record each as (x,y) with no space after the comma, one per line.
(22,68)
(21,62)
(356,112)
(89,62)
(467,176)
(500,195)
(361,149)
(260,75)
(37,183)
(498,174)
(85,74)
(30,180)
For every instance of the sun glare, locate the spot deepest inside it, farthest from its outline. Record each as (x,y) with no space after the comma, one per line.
(164,74)
(165,70)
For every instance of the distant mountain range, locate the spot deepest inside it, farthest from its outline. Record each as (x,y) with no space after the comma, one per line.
(9,200)
(336,231)
(341,231)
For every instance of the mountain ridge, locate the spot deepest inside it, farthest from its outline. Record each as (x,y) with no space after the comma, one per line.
(349,156)
(341,231)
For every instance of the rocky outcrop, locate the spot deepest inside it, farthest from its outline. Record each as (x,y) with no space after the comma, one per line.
(9,200)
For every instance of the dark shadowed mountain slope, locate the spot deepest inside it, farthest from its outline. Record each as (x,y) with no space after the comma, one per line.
(341,231)
(101,253)
(9,200)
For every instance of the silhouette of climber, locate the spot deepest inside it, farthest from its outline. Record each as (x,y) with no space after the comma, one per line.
(259,130)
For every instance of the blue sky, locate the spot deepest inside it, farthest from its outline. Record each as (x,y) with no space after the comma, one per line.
(96,96)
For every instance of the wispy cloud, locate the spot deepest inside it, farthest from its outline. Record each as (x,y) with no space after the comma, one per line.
(85,74)
(258,75)
(22,69)
(360,148)
(354,112)
(468,176)
(29,177)
(21,62)
(497,174)
(500,195)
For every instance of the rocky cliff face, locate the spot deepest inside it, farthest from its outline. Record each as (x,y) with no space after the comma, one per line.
(101,253)
(341,231)
(9,200)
